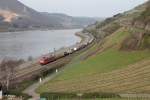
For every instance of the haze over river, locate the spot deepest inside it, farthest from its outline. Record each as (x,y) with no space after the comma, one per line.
(35,43)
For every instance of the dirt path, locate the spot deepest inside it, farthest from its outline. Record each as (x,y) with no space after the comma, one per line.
(31,90)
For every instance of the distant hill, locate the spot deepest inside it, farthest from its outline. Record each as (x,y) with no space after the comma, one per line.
(69,21)
(15,15)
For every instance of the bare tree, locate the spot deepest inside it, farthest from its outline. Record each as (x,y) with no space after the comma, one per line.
(8,75)
(7,68)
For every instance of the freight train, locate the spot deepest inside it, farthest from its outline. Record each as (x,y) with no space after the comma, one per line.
(46,59)
(51,58)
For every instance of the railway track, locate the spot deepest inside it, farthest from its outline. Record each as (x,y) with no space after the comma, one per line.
(30,69)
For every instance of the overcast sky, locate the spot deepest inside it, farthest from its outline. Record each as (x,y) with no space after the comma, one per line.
(91,8)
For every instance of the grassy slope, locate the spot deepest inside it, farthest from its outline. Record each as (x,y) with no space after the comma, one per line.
(102,99)
(110,99)
(110,59)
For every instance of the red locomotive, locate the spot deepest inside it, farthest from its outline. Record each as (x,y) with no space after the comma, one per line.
(45,60)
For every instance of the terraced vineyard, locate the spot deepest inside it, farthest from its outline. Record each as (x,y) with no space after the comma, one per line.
(118,63)
(110,71)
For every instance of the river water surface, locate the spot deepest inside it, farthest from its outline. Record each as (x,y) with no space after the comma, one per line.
(35,43)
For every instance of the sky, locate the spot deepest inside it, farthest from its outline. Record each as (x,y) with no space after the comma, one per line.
(90,8)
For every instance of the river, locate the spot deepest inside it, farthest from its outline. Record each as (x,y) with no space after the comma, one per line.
(35,43)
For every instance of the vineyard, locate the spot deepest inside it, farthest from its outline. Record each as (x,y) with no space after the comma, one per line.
(118,62)
(109,71)
(134,79)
